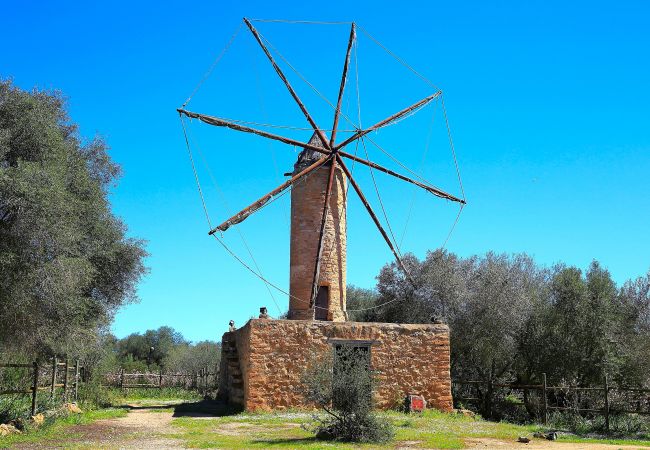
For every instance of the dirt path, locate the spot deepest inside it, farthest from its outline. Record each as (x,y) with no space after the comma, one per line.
(540,444)
(140,429)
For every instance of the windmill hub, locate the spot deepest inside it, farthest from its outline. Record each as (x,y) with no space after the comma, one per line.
(307,199)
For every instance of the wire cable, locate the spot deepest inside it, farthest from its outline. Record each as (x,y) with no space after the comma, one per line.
(207,74)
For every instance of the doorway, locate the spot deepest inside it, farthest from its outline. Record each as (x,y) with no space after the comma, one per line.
(322,303)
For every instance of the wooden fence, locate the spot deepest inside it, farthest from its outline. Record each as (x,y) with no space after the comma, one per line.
(38,369)
(547,391)
(202,380)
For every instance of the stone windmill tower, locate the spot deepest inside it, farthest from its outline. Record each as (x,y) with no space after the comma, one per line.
(318,199)
(307,200)
(264,359)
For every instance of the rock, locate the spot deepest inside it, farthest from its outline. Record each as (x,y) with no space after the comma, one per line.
(18,423)
(465,412)
(72,408)
(523,439)
(539,435)
(38,419)
(552,436)
(6,429)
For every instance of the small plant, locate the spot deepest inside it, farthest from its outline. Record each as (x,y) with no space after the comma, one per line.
(342,386)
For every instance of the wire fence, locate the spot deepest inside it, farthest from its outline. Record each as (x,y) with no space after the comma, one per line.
(541,399)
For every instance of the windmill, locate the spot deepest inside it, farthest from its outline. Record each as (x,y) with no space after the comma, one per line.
(318,200)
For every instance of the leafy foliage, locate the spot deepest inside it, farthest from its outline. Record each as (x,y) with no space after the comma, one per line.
(164,349)
(342,385)
(66,264)
(512,320)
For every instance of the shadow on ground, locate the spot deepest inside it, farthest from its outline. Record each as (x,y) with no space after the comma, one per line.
(205,408)
(201,408)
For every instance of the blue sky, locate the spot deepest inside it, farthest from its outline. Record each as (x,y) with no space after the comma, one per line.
(548,104)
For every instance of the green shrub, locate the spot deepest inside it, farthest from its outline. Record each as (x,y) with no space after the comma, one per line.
(342,386)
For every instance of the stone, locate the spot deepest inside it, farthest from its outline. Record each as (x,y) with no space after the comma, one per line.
(72,408)
(272,373)
(465,412)
(6,429)
(38,419)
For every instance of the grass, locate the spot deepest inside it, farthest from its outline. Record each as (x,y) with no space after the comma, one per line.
(53,429)
(228,429)
(432,429)
(128,395)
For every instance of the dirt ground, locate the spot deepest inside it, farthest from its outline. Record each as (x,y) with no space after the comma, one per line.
(536,444)
(143,428)
(140,429)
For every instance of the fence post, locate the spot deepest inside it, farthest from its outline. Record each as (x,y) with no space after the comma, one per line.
(160,380)
(606,405)
(34,387)
(196,380)
(65,380)
(545,398)
(54,366)
(76,379)
(122,379)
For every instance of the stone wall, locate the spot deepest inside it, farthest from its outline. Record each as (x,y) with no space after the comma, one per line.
(409,359)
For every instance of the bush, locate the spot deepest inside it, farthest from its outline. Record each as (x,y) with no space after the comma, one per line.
(342,386)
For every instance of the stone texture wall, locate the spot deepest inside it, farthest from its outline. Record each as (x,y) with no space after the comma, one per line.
(410,359)
(307,201)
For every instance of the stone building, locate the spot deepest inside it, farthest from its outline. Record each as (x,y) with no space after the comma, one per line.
(262,362)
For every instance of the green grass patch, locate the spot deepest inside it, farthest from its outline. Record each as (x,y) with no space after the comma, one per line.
(431,429)
(581,440)
(153,394)
(55,428)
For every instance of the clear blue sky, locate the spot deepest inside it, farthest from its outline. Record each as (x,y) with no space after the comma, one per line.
(549,104)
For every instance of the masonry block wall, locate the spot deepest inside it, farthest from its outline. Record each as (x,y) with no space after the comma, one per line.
(307,202)
(273,354)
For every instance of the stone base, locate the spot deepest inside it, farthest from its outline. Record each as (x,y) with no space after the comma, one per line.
(263,362)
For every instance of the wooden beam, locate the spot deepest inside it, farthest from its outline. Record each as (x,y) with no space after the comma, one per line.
(288,85)
(244,213)
(344,77)
(394,117)
(376,220)
(218,122)
(433,190)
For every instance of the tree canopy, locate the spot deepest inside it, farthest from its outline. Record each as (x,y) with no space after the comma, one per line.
(66,263)
(511,319)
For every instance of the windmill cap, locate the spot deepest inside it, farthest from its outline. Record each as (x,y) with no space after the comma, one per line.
(307,156)
(315,140)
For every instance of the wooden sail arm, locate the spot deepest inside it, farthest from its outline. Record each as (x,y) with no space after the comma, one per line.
(433,190)
(321,235)
(344,78)
(375,219)
(218,122)
(244,213)
(389,120)
(302,107)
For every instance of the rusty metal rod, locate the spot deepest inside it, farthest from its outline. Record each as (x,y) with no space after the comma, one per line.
(244,213)
(321,235)
(288,85)
(344,78)
(435,191)
(375,219)
(218,122)
(390,119)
